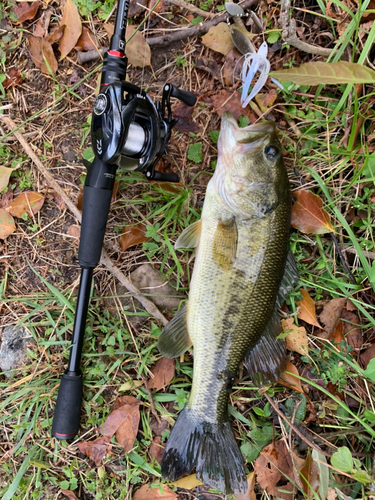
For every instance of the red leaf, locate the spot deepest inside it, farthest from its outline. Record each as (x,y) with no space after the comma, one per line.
(133,235)
(96,450)
(123,422)
(147,493)
(29,201)
(69,494)
(163,372)
(13,78)
(86,41)
(229,101)
(25,12)
(156,449)
(308,215)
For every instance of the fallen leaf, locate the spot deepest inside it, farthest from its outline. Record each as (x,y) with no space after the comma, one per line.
(289,378)
(265,101)
(109,29)
(41,27)
(137,50)
(73,28)
(352,333)
(86,41)
(309,474)
(169,187)
(229,101)
(5,174)
(163,372)
(80,199)
(187,482)
(218,38)
(24,11)
(250,493)
(6,197)
(307,309)
(42,55)
(29,202)
(145,492)
(366,356)
(231,68)
(132,235)
(338,335)
(55,35)
(183,113)
(274,470)
(210,66)
(69,494)
(296,340)
(7,224)
(308,214)
(156,449)
(330,316)
(125,400)
(13,78)
(157,6)
(74,231)
(136,8)
(321,73)
(96,450)
(123,422)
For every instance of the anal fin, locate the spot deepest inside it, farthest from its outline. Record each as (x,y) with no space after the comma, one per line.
(174,339)
(266,361)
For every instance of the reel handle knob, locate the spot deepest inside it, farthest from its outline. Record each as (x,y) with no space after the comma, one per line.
(185,96)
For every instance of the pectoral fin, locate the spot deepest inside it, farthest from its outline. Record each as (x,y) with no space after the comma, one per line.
(289,281)
(189,238)
(266,361)
(174,339)
(225,244)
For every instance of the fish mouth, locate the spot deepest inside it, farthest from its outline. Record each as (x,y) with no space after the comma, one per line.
(252,133)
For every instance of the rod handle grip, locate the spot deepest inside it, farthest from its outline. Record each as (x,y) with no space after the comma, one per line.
(185,96)
(65,422)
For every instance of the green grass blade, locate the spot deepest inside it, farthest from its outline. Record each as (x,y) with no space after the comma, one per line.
(10,493)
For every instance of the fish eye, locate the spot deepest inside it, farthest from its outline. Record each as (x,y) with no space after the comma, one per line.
(272,152)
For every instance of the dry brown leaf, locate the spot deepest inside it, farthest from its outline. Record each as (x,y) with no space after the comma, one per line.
(74,231)
(42,55)
(73,28)
(308,214)
(250,493)
(13,78)
(330,316)
(231,68)
(5,174)
(124,400)
(229,101)
(274,467)
(29,201)
(352,333)
(309,474)
(123,422)
(7,224)
(96,450)
(69,494)
(86,41)
(296,340)
(41,27)
(163,372)
(170,187)
(24,11)
(147,493)
(187,482)
(338,335)
(55,34)
(367,355)
(109,29)
(132,235)
(157,449)
(307,309)
(6,197)
(294,382)
(137,50)
(136,7)
(265,101)
(218,38)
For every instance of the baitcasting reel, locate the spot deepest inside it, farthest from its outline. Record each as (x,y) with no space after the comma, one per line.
(129,130)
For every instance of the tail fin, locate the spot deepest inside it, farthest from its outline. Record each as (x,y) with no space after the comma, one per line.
(211,448)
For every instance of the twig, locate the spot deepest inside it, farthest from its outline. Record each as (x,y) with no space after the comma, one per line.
(289,33)
(91,55)
(304,438)
(192,8)
(199,29)
(105,259)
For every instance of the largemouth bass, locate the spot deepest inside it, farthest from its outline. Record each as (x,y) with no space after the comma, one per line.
(242,246)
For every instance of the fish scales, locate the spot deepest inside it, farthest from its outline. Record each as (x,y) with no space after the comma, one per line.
(240,260)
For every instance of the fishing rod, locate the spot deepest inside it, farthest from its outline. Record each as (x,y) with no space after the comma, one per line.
(130,131)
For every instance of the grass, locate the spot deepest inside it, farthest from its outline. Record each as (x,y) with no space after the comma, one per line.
(35,466)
